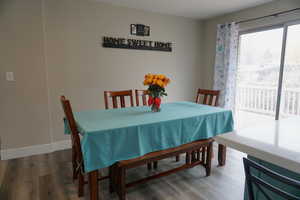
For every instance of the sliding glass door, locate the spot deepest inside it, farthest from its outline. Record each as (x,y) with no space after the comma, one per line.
(268,78)
(290,93)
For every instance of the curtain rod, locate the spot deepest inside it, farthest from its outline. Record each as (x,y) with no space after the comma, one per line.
(272,15)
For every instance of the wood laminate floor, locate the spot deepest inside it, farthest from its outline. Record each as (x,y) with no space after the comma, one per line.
(48,177)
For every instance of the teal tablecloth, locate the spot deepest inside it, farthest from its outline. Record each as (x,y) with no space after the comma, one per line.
(120,134)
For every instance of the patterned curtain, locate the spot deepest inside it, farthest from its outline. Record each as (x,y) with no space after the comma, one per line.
(226,64)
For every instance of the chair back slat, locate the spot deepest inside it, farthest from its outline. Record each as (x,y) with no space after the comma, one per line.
(141,93)
(122,101)
(114,100)
(254,179)
(75,139)
(217,99)
(144,100)
(211,100)
(115,95)
(210,97)
(205,99)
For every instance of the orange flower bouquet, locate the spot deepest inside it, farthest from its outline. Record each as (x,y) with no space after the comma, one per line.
(156,89)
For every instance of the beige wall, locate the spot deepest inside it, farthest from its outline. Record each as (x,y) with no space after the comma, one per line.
(211,24)
(71,61)
(24,117)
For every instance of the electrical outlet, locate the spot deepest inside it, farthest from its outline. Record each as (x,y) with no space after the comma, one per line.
(10,76)
(0,150)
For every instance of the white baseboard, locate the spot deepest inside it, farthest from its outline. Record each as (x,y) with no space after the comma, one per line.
(34,150)
(61,145)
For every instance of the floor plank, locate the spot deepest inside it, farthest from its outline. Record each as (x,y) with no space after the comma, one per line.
(48,177)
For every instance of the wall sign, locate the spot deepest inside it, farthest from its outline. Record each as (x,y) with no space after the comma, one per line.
(123,43)
(139,30)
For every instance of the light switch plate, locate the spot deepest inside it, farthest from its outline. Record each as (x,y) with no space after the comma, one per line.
(10,76)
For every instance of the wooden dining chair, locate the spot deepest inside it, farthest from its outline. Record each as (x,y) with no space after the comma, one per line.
(210,97)
(144,94)
(77,161)
(272,186)
(115,95)
(77,158)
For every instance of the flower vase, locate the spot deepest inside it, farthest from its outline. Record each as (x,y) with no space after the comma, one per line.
(155,108)
(155,103)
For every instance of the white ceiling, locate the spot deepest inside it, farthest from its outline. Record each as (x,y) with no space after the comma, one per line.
(199,9)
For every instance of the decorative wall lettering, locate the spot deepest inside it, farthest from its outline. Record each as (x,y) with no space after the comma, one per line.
(112,42)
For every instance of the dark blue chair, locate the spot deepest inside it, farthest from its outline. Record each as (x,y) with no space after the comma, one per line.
(270,184)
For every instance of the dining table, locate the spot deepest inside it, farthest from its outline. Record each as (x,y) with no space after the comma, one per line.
(274,144)
(113,135)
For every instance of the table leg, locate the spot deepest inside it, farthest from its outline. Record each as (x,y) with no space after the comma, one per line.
(222,155)
(93,184)
(208,159)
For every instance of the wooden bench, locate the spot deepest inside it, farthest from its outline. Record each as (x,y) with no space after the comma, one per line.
(118,170)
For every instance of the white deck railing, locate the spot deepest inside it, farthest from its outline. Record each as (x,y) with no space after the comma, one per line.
(263,100)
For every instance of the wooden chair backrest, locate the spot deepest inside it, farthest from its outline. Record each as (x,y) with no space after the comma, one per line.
(114,95)
(143,94)
(280,188)
(73,127)
(211,97)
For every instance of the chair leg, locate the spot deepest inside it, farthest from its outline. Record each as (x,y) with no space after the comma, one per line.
(74,165)
(111,178)
(80,185)
(122,183)
(177,158)
(155,164)
(198,154)
(203,154)
(116,179)
(209,159)
(194,156)
(149,166)
(188,158)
